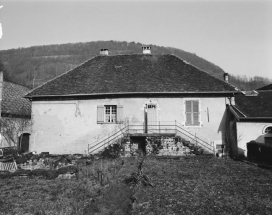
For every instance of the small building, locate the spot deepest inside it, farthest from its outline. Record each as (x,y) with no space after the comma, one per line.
(250,118)
(138,95)
(15,118)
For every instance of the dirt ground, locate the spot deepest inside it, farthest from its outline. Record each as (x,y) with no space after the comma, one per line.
(189,185)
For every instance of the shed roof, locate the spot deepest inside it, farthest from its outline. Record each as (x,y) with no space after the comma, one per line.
(135,73)
(254,106)
(267,87)
(13,101)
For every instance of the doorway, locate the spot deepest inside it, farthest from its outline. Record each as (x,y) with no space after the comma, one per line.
(151,117)
(140,140)
(24,142)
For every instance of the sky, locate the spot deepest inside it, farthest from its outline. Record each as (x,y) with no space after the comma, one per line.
(234,35)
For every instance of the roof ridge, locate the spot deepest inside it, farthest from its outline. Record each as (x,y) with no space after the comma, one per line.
(12,82)
(60,75)
(207,73)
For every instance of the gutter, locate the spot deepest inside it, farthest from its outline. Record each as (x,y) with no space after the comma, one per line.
(248,119)
(133,93)
(238,111)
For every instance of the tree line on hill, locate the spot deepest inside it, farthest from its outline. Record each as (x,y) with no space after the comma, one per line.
(35,65)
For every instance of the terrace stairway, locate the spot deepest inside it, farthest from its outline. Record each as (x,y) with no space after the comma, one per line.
(163,129)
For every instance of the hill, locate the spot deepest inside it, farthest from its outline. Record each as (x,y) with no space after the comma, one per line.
(35,65)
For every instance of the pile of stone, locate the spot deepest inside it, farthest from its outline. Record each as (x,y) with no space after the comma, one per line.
(130,149)
(161,146)
(44,165)
(171,147)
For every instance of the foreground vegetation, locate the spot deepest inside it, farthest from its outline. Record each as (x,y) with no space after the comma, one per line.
(190,185)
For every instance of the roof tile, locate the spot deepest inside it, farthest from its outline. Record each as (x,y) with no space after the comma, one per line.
(132,73)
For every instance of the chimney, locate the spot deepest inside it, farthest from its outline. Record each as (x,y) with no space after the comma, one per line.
(146,49)
(226,77)
(104,52)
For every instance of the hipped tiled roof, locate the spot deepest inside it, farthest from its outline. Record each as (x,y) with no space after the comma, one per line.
(13,102)
(255,106)
(267,87)
(132,74)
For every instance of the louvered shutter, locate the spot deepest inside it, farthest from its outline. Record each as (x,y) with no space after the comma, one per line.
(195,106)
(119,113)
(100,114)
(188,112)
(195,112)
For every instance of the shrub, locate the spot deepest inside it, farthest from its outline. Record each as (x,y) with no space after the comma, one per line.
(259,152)
(112,151)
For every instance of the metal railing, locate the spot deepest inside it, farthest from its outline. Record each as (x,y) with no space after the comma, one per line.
(107,139)
(160,127)
(196,138)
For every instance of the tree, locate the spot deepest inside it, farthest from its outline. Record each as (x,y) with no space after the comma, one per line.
(4,70)
(12,126)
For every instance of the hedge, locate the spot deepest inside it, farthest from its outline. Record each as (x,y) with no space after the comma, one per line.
(259,152)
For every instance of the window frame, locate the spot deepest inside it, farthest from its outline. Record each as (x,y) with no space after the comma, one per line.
(102,114)
(110,114)
(264,130)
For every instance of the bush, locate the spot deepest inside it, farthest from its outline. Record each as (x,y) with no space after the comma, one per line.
(259,152)
(112,151)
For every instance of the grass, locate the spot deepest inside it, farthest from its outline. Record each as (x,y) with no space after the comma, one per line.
(191,185)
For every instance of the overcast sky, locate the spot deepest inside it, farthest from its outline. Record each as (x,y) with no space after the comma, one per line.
(235,35)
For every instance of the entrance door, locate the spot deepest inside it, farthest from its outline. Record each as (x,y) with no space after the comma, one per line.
(24,146)
(152,117)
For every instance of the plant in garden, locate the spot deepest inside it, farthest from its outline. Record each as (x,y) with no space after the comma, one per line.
(138,178)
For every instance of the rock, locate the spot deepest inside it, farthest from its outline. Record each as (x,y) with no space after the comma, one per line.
(67,169)
(66,176)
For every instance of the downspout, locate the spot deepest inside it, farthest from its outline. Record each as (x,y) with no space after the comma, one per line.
(145,119)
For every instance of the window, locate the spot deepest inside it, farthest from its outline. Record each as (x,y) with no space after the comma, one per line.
(268,130)
(109,113)
(192,113)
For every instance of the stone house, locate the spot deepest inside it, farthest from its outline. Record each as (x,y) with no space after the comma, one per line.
(138,95)
(250,118)
(15,115)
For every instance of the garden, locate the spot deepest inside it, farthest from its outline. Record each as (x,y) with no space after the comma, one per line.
(197,184)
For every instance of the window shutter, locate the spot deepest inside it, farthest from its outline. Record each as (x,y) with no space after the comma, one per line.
(119,113)
(188,119)
(192,112)
(196,119)
(188,112)
(195,106)
(100,114)
(188,106)
(195,112)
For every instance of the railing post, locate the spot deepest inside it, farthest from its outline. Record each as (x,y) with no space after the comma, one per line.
(175,126)
(213,147)
(128,125)
(196,139)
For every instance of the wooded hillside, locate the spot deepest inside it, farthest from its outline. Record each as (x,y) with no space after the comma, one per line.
(35,65)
